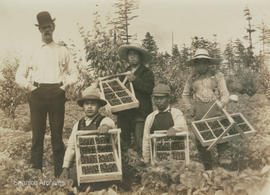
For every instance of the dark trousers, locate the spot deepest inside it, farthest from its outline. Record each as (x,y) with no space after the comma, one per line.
(205,155)
(131,122)
(47,100)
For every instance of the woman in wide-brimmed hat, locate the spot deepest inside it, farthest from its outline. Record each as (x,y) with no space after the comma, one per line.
(204,86)
(145,56)
(142,78)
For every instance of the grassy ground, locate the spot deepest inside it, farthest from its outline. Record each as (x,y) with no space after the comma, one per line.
(253,159)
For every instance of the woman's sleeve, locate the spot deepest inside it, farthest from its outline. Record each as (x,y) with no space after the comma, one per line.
(222,87)
(146,139)
(186,96)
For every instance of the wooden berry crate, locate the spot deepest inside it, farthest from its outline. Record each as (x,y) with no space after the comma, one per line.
(165,147)
(118,96)
(210,129)
(98,157)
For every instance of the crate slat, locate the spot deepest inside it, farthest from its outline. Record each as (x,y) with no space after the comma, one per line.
(130,94)
(162,135)
(227,137)
(114,142)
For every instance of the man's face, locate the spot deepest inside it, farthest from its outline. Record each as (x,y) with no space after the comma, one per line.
(90,107)
(133,58)
(161,102)
(47,32)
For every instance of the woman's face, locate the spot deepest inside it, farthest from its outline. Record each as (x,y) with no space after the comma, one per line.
(133,57)
(201,66)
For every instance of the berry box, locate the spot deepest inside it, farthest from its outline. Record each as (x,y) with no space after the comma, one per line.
(118,96)
(208,130)
(98,157)
(164,147)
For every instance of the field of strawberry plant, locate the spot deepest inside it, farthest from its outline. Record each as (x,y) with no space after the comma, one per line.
(249,171)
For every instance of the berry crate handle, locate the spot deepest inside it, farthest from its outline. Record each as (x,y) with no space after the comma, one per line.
(163,133)
(115,75)
(219,105)
(233,124)
(84,132)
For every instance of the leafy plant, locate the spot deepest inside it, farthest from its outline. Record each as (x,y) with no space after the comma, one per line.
(11,95)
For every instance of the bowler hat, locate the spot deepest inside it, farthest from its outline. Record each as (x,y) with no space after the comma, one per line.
(91,93)
(44,18)
(203,54)
(123,52)
(161,90)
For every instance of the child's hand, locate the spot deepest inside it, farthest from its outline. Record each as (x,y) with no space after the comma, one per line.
(131,77)
(103,129)
(171,132)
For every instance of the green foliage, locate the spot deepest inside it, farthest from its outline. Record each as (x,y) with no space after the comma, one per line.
(11,95)
(101,49)
(238,57)
(150,45)
(244,81)
(168,71)
(124,9)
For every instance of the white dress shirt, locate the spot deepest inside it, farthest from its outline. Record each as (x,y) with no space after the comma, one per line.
(179,125)
(50,63)
(70,151)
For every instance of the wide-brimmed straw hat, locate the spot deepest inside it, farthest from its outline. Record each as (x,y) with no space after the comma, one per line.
(44,18)
(123,52)
(203,54)
(161,90)
(91,93)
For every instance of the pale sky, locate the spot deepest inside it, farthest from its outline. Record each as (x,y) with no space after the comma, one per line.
(185,18)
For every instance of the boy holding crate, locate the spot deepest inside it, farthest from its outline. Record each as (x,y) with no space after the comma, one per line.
(164,118)
(91,102)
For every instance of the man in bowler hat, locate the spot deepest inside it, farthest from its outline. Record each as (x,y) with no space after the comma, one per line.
(47,75)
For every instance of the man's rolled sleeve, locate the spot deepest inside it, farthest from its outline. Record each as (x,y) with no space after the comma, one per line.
(179,120)
(22,74)
(108,121)
(146,138)
(70,151)
(71,73)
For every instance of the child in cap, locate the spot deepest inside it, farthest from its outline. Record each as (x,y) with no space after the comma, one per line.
(164,118)
(91,102)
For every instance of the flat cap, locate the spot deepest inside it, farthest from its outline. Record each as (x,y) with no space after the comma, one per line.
(161,90)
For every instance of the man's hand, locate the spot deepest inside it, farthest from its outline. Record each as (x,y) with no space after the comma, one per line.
(103,129)
(131,77)
(63,87)
(31,87)
(171,132)
(65,174)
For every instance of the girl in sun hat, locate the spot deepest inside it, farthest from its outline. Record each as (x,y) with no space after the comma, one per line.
(202,89)
(142,78)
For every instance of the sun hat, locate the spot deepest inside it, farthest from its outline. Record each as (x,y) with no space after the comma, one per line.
(123,52)
(44,18)
(161,90)
(91,93)
(203,54)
